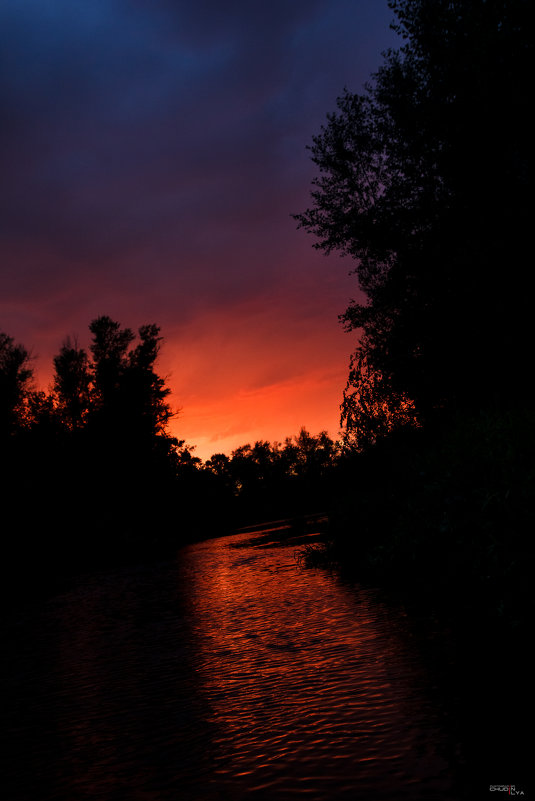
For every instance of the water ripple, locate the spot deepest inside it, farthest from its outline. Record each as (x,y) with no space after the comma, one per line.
(229,674)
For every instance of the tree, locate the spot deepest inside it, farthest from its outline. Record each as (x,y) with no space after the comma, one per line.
(310,457)
(145,392)
(72,380)
(218,464)
(371,409)
(424,181)
(129,396)
(109,348)
(15,379)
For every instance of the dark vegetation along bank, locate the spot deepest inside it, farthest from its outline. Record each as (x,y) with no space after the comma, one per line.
(424,179)
(90,474)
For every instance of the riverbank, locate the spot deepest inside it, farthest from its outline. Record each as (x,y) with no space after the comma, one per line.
(445,515)
(443,522)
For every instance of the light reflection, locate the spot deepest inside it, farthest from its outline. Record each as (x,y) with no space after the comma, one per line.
(295,667)
(228,674)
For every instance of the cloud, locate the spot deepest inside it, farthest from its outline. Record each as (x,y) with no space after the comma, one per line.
(152,155)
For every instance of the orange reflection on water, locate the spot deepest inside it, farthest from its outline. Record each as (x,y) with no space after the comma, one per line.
(311,685)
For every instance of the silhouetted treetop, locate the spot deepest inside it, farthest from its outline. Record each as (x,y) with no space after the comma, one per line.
(115,391)
(15,378)
(109,348)
(128,394)
(72,384)
(425,180)
(276,475)
(143,385)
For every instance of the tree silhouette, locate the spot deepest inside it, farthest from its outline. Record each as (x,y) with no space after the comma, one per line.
(72,380)
(112,412)
(371,409)
(144,390)
(424,180)
(129,397)
(314,456)
(109,348)
(15,379)
(270,479)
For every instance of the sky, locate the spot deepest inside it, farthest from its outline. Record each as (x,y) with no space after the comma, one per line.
(153,152)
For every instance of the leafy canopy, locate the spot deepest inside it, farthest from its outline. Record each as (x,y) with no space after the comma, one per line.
(423,179)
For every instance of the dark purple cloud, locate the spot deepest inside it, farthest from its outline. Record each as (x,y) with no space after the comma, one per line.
(152,153)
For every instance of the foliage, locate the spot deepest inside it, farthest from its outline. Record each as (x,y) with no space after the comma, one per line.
(424,180)
(277,480)
(371,409)
(72,381)
(93,454)
(128,395)
(445,516)
(15,379)
(95,457)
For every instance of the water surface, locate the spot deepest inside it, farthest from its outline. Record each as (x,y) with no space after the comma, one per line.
(228,673)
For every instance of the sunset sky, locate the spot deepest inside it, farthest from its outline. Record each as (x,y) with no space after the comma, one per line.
(153,153)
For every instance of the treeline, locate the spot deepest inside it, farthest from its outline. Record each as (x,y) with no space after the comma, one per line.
(425,180)
(270,480)
(90,472)
(113,392)
(88,466)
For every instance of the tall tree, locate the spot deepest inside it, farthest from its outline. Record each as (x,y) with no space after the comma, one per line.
(15,378)
(145,392)
(109,348)
(130,396)
(425,181)
(72,380)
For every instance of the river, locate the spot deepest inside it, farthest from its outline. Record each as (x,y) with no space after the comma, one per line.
(230,672)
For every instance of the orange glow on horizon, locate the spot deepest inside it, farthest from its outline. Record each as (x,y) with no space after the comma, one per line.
(254,371)
(274,412)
